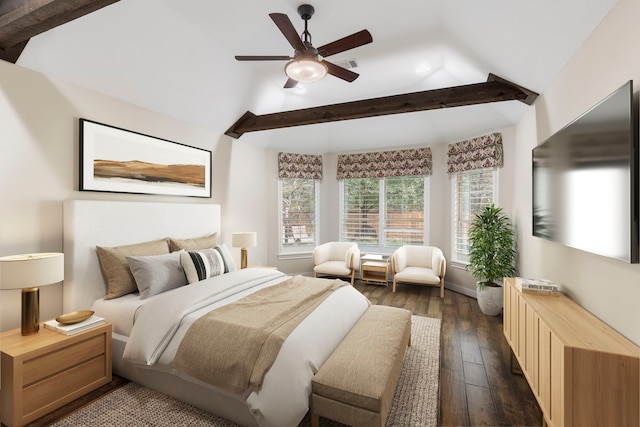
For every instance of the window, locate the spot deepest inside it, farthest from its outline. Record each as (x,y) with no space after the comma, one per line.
(472,189)
(382,214)
(299,200)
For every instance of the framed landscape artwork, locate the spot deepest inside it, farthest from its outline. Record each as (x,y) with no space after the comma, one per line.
(122,161)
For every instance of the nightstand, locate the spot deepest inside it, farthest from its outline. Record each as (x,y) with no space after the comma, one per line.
(45,371)
(375,271)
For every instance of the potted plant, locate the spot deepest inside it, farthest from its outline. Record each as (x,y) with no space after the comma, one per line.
(491,256)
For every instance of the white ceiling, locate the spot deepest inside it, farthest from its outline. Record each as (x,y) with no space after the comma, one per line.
(177,57)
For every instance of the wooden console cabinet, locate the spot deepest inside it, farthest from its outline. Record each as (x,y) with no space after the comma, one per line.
(44,371)
(581,371)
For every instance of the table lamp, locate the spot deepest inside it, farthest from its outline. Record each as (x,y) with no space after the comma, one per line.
(27,272)
(244,240)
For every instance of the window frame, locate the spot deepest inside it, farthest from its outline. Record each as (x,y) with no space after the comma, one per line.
(288,252)
(458,259)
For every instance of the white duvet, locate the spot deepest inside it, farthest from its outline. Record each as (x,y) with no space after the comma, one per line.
(283,400)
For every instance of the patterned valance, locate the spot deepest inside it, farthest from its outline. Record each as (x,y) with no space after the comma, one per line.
(307,166)
(385,163)
(482,152)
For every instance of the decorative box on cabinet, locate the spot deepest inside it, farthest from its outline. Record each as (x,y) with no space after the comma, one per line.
(581,371)
(45,371)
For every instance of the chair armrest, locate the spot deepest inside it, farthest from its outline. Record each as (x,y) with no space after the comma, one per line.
(438,263)
(398,260)
(320,254)
(352,258)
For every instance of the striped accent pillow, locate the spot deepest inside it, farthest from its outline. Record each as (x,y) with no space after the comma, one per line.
(202,264)
(229,265)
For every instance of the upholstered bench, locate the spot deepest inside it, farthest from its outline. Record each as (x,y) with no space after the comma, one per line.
(356,384)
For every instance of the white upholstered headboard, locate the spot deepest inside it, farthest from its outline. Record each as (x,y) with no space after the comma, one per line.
(88,223)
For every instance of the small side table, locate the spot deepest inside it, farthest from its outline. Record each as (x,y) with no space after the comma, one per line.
(375,271)
(47,370)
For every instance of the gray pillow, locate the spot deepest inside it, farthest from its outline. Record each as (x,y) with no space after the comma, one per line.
(157,273)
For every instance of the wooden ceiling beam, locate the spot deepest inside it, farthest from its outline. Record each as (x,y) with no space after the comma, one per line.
(22,19)
(495,89)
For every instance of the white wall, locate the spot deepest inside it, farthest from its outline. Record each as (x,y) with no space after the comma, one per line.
(39,170)
(608,288)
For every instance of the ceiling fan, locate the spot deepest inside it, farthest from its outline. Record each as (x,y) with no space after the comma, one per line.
(308,64)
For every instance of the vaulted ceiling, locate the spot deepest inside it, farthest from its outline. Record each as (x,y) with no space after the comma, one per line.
(177,57)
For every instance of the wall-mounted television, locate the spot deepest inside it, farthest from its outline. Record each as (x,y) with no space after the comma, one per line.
(586,181)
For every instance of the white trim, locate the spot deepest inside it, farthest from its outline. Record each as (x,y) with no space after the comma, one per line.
(460,289)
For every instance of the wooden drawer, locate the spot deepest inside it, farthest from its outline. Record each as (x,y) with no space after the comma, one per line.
(59,389)
(60,360)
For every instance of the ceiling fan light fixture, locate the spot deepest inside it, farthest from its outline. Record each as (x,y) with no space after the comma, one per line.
(306,70)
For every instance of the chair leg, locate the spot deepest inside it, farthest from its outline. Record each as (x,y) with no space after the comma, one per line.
(394,284)
(353,274)
(441,288)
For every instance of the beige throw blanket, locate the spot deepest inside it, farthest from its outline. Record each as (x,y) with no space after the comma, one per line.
(234,346)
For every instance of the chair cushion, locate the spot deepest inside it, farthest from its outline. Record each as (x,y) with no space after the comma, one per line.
(418,275)
(332,267)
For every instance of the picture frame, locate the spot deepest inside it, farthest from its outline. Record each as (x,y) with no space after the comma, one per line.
(117,160)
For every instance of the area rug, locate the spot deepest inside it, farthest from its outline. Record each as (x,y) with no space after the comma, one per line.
(415,403)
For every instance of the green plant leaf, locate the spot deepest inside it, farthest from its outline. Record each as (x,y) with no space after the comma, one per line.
(491,246)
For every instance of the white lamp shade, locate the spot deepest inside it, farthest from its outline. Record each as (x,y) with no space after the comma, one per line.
(244,239)
(31,270)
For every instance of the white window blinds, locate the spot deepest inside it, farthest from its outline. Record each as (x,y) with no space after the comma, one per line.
(473,189)
(383,213)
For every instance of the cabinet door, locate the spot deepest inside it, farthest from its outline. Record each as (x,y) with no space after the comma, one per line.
(544,370)
(514,322)
(522,330)
(532,358)
(506,303)
(557,382)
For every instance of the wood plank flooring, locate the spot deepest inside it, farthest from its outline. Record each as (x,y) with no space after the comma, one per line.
(477,387)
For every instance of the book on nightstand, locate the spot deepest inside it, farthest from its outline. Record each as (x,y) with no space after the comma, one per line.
(74,328)
(538,286)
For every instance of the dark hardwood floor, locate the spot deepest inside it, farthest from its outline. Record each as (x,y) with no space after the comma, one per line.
(477,387)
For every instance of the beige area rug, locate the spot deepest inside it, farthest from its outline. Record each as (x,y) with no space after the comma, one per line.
(415,403)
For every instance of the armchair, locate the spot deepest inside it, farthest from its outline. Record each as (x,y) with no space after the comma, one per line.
(421,265)
(336,259)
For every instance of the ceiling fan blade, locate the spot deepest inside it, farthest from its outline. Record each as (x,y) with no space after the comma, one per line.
(290,84)
(341,73)
(261,58)
(354,40)
(283,22)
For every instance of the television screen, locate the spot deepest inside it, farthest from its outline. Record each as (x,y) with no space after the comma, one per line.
(585,181)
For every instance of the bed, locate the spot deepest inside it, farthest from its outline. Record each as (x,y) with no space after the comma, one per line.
(146,339)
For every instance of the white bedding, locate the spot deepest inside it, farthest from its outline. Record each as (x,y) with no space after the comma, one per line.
(119,312)
(156,326)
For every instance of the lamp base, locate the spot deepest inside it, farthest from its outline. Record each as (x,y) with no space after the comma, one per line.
(30,311)
(243,258)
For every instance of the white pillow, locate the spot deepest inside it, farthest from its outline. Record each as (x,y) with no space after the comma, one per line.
(155,274)
(202,264)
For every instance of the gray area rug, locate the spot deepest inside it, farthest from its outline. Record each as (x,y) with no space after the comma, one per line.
(415,403)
